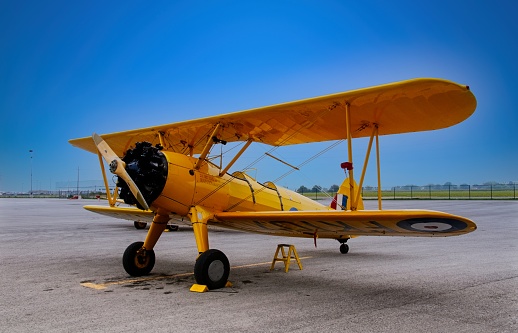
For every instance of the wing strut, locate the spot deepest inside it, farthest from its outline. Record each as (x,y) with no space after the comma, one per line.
(112,199)
(208,146)
(355,194)
(378,167)
(161,138)
(366,163)
(350,151)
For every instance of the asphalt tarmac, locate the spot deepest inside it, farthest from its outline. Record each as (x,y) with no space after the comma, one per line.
(62,272)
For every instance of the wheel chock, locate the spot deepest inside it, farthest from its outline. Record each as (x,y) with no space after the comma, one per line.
(199,288)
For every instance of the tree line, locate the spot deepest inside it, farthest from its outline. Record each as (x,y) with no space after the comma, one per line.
(334,188)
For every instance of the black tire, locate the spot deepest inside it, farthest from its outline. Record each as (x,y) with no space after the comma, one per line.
(137,262)
(212,269)
(344,248)
(172,227)
(139,225)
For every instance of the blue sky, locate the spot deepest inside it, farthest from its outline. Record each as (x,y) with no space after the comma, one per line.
(70,68)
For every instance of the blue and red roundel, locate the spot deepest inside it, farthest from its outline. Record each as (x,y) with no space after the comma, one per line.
(432,225)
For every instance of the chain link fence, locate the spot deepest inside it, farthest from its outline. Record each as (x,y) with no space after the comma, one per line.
(88,189)
(449,192)
(92,189)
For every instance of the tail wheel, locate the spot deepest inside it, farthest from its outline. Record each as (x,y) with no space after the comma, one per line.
(344,248)
(172,227)
(212,269)
(138,261)
(139,225)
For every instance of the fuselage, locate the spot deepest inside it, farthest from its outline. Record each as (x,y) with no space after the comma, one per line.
(186,187)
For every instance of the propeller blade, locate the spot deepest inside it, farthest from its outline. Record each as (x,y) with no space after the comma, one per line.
(134,189)
(118,167)
(105,150)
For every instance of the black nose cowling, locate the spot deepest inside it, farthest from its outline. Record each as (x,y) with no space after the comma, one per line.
(147,166)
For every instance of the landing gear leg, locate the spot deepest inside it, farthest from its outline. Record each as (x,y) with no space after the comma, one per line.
(212,267)
(139,257)
(344,248)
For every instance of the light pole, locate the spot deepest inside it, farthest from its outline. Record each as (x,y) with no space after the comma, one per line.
(78,195)
(30,151)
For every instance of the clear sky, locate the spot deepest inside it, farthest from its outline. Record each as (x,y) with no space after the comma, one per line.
(70,68)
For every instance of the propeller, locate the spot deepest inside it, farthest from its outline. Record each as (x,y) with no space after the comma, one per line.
(118,167)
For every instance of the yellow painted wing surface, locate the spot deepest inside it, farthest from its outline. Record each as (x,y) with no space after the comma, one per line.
(125,213)
(343,224)
(324,224)
(401,107)
(132,214)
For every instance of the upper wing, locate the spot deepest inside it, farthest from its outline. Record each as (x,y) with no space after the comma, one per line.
(343,224)
(406,106)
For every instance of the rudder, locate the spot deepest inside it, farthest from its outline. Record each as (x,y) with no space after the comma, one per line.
(343,199)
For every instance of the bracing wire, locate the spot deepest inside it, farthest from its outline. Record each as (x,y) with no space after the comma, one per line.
(260,158)
(336,143)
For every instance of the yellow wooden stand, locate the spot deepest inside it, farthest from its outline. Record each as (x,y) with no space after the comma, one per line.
(286,257)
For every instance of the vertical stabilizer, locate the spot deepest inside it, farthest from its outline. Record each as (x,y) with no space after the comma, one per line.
(343,200)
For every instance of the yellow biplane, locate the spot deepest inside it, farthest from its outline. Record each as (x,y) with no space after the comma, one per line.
(166,173)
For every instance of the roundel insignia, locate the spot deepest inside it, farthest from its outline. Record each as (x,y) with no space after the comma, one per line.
(432,225)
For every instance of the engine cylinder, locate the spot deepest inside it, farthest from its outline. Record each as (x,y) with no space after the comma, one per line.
(147,166)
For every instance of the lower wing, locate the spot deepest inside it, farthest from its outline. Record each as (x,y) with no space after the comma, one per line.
(125,213)
(345,224)
(324,224)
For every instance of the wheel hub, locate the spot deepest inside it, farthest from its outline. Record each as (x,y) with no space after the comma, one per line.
(216,270)
(141,259)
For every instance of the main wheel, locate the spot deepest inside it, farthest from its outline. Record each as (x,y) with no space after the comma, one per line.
(344,248)
(139,225)
(137,261)
(212,269)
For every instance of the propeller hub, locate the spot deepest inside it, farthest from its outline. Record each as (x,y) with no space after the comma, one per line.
(113,166)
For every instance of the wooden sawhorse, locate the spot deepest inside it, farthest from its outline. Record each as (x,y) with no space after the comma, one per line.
(286,257)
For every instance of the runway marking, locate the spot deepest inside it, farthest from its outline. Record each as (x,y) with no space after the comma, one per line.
(102,286)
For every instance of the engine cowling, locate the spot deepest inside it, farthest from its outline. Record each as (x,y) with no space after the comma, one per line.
(147,166)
